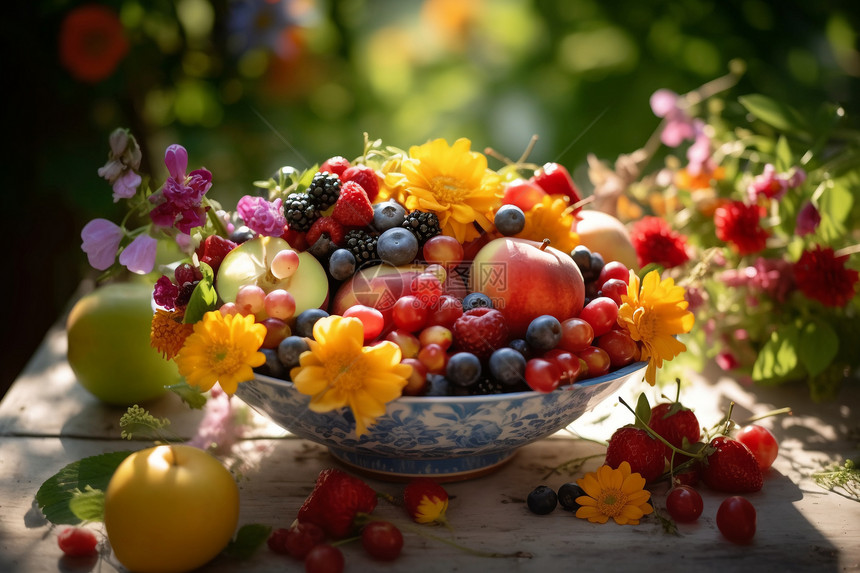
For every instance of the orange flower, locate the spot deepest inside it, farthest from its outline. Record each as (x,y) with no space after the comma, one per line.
(168,332)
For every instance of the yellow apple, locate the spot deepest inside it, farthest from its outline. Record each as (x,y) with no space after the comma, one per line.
(169,509)
(602,233)
(108,345)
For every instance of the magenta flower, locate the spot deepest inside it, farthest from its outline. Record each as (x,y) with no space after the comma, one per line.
(179,202)
(678,125)
(165,292)
(139,255)
(261,216)
(773,185)
(100,241)
(771,276)
(176,160)
(808,220)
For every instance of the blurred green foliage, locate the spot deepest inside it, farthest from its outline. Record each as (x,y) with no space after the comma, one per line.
(247,89)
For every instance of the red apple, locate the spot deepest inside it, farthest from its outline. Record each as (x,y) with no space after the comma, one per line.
(602,233)
(527,279)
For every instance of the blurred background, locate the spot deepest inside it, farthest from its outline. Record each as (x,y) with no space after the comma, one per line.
(248,86)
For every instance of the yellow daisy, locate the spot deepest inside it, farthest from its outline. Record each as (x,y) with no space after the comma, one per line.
(222,349)
(551,219)
(338,371)
(615,493)
(168,332)
(454,183)
(653,316)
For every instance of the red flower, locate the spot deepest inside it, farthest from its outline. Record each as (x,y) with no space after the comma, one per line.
(822,276)
(739,225)
(656,242)
(92,43)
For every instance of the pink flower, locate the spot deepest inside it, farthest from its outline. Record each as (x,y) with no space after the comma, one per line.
(726,360)
(126,186)
(808,220)
(176,160)
(123,159)
(773,185)
(100,241)
(678,125)
(219,429)
(771,276)
(139,255)
(179,202)
(261,216)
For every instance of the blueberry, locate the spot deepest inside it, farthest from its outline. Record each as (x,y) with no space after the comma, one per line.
(305,321)
(567,495)
(521,346)
(509,220)
(290,349)
(242,234)
(397,246)
(387,215)
(272,366)
(507,366)
(341,264)
(476,300)
(544,332)
(463,369)
(542,500)
(437,386)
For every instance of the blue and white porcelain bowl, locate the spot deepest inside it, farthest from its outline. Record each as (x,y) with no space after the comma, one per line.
(447,437)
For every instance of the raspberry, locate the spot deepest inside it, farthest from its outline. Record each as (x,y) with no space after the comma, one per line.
(364,176)
(213,249)
(296,239)
(353,208)
(329,226)
(336,165)
(480,331)
(77,541)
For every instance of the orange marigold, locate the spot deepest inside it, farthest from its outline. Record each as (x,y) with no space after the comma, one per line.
(168,332)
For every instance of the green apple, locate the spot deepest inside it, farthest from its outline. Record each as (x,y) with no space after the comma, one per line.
(526,279)
(250,264)
(170,508)
(108,345)
(602,233)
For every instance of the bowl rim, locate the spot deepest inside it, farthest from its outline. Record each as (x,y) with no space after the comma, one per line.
(597,380)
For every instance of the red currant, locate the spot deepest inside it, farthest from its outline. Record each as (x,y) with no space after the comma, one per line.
(77,541)
(736,519)
(684,503)
(382,540)
(301,538)
(324,558)
(761,442)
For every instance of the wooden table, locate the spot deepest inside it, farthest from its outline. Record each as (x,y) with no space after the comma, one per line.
(47,420)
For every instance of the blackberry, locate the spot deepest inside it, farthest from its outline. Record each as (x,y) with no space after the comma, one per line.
(423,225)
(362,245)
(486,386)
(324,190)
(300,211)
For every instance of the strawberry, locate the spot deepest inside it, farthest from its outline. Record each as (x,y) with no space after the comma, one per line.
(675,424)
(330,227)
(336,501)
(336,165)
(353,208)
(213,249)
(555,179)
(731,467)
(480,331)
(638,448)
(426,501)
(364,176)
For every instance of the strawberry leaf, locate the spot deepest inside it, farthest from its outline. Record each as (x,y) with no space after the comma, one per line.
(643,411)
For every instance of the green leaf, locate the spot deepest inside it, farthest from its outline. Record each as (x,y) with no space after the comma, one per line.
(88,505)
(778,358)
(784,160)
(774,113)
(818,347)
(191,395)
(249,538)
(643,410)
(204,298)
(55,495)
(834,205)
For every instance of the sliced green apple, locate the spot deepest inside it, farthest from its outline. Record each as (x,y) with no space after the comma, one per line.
(250,262)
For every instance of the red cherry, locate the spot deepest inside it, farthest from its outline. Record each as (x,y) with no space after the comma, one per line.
(382,540)
(524,194)
(761,442)
(684,503)
(736,519)
(601,313)
(542,375)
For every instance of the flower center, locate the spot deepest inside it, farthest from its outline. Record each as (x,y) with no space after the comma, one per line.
(611,502)
(346,372)
(224,359)
(447,188)
(646,323)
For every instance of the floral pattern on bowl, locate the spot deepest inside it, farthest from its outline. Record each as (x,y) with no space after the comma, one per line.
(449,437)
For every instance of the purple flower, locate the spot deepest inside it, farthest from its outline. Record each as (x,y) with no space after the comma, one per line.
(808,220)
(139,255)
(123,160)
(126,186)
(165,292)
(261,216)
(699,154)
(100,242)
(176,160)
(179,202)
(678,125)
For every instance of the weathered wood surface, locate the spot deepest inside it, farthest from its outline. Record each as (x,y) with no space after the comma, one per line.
(47,421)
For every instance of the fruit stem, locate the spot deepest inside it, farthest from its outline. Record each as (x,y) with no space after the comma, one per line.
(777,412)
(544,244)
(647,428)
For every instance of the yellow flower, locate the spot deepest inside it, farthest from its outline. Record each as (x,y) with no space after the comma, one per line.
(222,349)
(615,493)
(452,182)
(168,332)
(653,316)
(551,219)
(338,371)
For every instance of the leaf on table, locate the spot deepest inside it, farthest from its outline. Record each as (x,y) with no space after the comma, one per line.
(55,495)
(249,538)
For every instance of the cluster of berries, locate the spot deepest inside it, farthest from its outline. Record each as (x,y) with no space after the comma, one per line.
(340,506)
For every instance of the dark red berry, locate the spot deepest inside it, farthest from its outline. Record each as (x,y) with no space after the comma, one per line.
(77,542)
(382,540)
